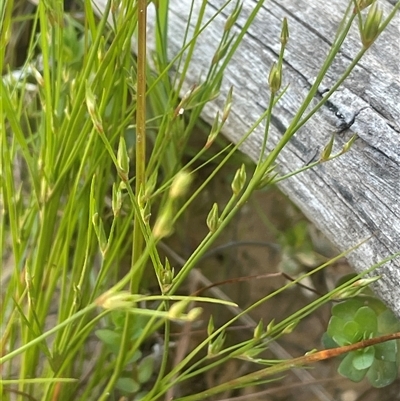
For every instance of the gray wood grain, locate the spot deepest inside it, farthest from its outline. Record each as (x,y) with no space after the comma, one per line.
(356,195)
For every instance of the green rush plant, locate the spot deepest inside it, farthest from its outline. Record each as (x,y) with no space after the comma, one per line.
(95,173)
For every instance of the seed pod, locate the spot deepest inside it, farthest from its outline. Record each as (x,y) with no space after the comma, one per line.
(213,219)
(215,347)
(233,17)
(259,330)
(284,32)
(123,160)
(239,180)
(275,78)
(371,26)
(326,153)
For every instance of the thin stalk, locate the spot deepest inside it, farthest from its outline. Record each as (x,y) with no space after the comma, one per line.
(140,179)
(164,360)
(190,52)
(267,125)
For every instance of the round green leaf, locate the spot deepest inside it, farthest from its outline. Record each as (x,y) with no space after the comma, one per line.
(352,332)
(135,357)
(111,338)
(347,309)
(364,358)
(386,351)
(335,330)
(382,373)
(375,304)
(140,396)
(118,318)
(388,322)
(145,369)
(347,369)
(367,319)
(127,385)
(328,341)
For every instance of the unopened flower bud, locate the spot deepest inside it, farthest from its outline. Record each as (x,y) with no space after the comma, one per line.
(93,112)
(284,32)
(177,310)
(100,233)
(119,300)
(210,327)
(215,129)
(326,153)
(116,202)
(180,184)
(259,330)
(233,17)
(193,314)
(371,26)
(167,274)
(361,4)
(163,226)
(355,288)
(221,52)
(228,105)
(239,180)
(215,347)
(270,326)
(123,160)
(347,146)
(290,327)
(213,218)
(275,78)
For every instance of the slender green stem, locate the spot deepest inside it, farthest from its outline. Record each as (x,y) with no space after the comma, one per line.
(140,178)
(266,131)
(164,360)
(140,181)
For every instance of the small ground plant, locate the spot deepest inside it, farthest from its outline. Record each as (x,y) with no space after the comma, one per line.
(95,173)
